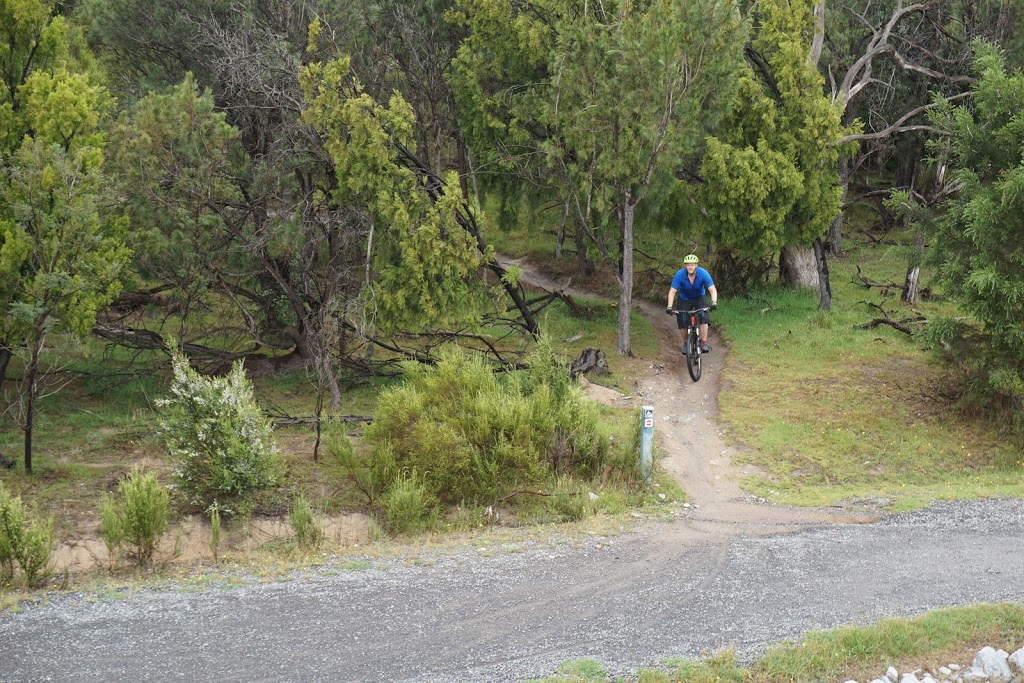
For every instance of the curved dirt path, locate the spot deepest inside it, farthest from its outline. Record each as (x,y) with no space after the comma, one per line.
(690,438)
(730,573)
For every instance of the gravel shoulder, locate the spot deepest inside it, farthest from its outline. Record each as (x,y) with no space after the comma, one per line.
(730,572)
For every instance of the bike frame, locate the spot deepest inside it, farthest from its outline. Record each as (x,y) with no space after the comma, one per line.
(693,342)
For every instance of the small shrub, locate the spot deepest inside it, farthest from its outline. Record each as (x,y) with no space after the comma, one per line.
(624,459)
(140,516)
(309,531)
(408,506)
(111,527)
(35,552)
(10,520)
(25,541)
(215,532)
(365,477)
(220,439)
(570,502)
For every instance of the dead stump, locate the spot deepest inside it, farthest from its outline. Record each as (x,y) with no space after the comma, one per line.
(591,361)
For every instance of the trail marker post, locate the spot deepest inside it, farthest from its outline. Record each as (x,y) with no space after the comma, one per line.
(646,443)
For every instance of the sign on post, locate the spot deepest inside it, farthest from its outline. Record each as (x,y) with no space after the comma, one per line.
(646,443)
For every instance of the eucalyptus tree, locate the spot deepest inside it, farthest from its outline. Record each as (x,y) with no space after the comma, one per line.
(600,99)
(885,63)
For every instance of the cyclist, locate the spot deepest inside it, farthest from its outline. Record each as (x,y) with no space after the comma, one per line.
(691,283)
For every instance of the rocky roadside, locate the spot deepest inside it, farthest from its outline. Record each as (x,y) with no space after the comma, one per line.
(990,666)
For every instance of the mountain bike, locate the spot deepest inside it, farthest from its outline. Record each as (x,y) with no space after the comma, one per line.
(693,340)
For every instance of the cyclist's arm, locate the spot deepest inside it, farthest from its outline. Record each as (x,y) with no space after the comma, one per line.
(671,296)
(714,294)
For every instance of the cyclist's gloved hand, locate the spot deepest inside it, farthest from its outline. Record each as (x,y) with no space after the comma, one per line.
(714,305)
(669,311)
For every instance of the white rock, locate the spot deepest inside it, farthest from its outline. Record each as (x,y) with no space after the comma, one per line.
(593,496)
(910,678)
(945,670)
(993,664)
(954,667)
(892,674)
(1016,660)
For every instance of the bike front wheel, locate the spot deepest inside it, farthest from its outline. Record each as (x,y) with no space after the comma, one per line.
(693,355)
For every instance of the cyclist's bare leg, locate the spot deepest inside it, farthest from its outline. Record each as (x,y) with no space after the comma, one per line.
(704,334)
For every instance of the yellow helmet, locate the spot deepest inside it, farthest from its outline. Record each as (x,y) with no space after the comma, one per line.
(690,258)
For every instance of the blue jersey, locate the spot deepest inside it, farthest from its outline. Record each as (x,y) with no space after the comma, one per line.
(701,281)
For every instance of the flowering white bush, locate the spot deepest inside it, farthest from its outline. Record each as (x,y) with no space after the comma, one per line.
(219,437)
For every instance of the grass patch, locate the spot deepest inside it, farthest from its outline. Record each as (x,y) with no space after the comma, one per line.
(851,413)
(859,653)
(864,652)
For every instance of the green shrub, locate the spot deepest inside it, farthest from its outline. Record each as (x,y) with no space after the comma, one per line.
(215,532)
(474,436)
(10,518)
(35,552)
(139,518)
(570,503)
(408,506)
(309,531)
(111,527)
(365,477)
(219,437)
(25,541)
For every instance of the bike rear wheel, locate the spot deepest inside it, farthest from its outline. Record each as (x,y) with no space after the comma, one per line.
(693,354)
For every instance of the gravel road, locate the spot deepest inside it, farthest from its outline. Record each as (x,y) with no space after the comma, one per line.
(509,613)
(729,572)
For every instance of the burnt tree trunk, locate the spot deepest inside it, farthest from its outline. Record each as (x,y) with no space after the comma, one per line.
(824,286)
(5,359)
(31,392)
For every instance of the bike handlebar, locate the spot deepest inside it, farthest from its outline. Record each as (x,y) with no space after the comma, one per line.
(676,311)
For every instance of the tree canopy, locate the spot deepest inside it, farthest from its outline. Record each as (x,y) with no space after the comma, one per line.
(596,100)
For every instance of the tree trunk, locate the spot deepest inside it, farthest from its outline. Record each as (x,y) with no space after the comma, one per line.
(626,278)
(30,400)
(561,231)
(835,230)
(798,267)
(5,358)
(911,285)
(824,286)
(584,264)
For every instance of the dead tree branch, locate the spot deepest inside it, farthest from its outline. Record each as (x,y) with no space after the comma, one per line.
(903,324)
(868,284)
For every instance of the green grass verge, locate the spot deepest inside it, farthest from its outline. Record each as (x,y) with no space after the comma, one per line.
(831,412)
(850,653)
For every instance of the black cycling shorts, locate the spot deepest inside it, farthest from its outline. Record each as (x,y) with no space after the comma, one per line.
(688,305)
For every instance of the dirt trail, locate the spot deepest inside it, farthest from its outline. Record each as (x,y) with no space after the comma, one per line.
(690,437)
